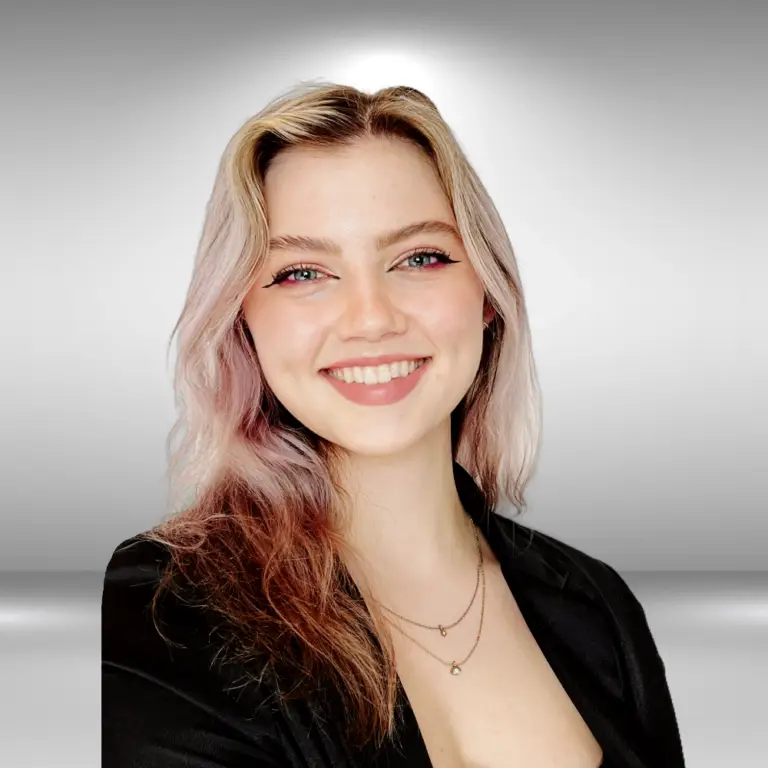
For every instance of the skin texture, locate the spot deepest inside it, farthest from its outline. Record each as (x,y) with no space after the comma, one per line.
(365,301)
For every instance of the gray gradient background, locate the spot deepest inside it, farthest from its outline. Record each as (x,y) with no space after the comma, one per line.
(624,144)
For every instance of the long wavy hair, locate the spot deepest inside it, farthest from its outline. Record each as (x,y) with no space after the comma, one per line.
(257,520)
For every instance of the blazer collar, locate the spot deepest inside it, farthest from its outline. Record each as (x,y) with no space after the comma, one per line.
(517,548)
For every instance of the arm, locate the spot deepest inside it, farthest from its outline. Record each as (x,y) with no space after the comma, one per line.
(166,707)
(145,724)
(648,679)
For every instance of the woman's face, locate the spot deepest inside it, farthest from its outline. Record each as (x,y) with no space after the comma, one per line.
(340,289)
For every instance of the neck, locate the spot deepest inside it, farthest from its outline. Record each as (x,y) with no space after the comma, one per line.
(407,527)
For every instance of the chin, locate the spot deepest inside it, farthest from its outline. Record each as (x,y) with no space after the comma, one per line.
(389,440)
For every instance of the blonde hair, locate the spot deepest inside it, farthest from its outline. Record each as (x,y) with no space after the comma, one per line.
(252,490)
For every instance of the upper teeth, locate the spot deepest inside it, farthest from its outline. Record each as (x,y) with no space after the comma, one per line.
(378,374)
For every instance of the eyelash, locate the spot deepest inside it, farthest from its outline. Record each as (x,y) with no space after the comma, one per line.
(281,275)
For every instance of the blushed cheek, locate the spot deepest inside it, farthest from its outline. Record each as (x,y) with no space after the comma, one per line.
(266,327)
(457,313)
(460,326)
(288,341)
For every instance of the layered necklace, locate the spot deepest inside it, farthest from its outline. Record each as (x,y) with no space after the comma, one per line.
(453,666)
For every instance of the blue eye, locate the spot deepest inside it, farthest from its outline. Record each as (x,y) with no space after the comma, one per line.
(422,257)
(302,275)
(421,260)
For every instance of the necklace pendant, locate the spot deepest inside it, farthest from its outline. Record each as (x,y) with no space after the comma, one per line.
(455,668)
(442,629)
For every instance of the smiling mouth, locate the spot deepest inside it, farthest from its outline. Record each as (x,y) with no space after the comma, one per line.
(376,374)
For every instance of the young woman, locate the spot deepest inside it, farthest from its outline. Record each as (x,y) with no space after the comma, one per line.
(357,392)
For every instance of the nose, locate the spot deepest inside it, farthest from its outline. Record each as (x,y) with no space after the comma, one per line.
(370,311)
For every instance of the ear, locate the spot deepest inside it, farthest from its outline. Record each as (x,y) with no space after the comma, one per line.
(488,313)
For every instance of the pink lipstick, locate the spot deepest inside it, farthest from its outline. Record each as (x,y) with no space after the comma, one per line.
(403,371)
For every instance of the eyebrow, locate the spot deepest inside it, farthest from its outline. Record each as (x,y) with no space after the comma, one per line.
(303,243)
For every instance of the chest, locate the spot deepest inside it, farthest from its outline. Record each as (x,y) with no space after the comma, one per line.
(506,708)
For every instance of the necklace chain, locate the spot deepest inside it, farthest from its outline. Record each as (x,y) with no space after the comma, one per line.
(455,668)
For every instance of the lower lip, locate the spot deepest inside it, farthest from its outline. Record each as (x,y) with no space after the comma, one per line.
(378,394)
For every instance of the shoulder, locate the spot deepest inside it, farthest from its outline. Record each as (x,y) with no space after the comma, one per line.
(586,572)
(135,638)
(575,567)
(594,596)
(177,645)
(131,580)
(132,574)
(582,599)
(165,695)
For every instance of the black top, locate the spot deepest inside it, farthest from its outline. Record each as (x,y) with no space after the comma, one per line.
(166,707)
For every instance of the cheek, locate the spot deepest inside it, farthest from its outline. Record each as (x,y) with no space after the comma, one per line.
(456,314)
(285,336)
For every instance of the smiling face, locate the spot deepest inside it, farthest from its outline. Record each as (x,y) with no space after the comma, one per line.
(365,292)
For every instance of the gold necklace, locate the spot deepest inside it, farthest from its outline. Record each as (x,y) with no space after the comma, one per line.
(454,668)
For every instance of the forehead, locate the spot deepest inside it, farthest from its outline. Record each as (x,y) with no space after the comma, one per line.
(371,184)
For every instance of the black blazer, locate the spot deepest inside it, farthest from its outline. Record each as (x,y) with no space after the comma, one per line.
(165,707)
